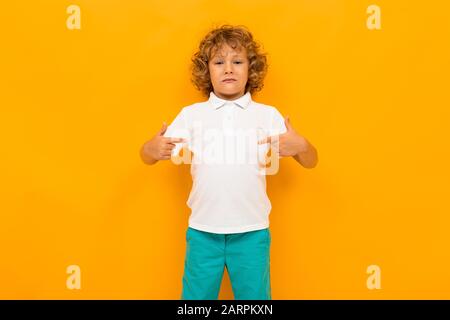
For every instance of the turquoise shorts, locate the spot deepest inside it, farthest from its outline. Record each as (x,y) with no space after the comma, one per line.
(246,256)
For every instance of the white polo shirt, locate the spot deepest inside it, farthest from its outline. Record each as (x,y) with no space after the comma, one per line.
(229,185)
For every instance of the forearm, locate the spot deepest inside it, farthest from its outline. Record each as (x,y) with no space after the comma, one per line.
(307,155)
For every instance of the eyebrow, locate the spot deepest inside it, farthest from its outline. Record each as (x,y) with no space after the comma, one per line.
(221,56)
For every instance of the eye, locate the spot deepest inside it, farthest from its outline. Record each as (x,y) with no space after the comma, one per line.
(218,62)
(238,61)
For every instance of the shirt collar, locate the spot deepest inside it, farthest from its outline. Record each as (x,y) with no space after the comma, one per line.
(217,102)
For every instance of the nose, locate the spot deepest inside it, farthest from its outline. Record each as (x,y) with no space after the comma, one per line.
(228,67)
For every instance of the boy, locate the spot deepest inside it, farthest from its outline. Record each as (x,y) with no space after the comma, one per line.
(227,134)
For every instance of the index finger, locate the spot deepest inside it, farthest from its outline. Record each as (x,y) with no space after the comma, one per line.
(269,139)
(177,140)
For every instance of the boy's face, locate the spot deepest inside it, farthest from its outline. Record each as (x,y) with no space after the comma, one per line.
(227,63)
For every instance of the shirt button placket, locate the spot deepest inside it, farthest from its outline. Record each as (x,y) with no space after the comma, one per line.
(229,119)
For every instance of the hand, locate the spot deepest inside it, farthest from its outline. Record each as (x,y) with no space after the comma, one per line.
(287,144)
(160,147)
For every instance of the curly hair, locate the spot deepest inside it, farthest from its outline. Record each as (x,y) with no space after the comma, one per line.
(236,37)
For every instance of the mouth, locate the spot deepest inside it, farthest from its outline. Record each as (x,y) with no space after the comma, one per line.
(229,80)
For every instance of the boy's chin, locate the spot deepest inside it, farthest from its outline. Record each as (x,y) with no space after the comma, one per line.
(230,93)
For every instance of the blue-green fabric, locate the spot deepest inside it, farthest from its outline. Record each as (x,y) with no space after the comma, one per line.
(246,256)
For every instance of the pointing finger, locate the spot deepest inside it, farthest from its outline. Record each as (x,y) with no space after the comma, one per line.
(270,139)
(177,140)
(265,140)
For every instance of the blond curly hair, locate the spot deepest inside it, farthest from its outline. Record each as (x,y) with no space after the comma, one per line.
(236,37)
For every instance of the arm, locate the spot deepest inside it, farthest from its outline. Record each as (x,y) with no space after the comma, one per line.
(307,154)
(293,144)
(159,147)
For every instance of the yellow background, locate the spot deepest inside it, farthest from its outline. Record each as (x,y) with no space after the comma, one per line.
(77,105)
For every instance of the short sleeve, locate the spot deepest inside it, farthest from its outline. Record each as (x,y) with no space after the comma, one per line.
(277,125)
(179,129)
